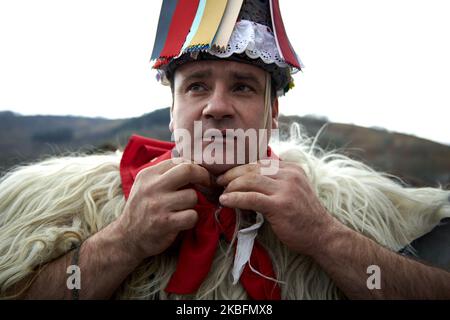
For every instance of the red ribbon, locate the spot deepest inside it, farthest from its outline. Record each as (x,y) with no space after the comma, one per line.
(179,27)
(280,32)
(199,244)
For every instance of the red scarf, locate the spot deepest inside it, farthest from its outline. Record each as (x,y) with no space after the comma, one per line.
(199,244)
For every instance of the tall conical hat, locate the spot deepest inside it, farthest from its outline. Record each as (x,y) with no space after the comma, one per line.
(248,31)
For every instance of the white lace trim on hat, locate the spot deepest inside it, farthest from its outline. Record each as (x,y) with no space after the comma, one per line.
(256,40)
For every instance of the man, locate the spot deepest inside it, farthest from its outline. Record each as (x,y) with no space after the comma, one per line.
(168,226)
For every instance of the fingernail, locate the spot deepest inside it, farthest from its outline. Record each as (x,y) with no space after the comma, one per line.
(223,197)
(219,179)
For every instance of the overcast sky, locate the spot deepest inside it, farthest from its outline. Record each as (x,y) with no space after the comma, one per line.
(382,63)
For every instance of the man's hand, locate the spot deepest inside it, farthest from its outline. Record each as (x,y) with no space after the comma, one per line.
(302,223)
(154,214)
(156,210)
(286,199)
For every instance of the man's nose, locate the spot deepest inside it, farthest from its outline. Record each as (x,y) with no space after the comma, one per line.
(219,106)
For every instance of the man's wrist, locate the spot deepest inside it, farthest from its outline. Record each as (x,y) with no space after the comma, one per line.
(112,241)
(334,236)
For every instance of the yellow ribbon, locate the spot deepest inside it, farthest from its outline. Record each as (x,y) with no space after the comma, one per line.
(212,15)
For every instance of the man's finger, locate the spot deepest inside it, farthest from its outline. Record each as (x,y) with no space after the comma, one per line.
(183,220)
(246,200)
(181,199)
(238,171)
(159,168)
(168,164)
(184,174)
(252,182)
(255,167)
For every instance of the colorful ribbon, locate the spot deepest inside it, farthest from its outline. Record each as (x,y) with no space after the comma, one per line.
(179,28)
(284,46)
(165,18)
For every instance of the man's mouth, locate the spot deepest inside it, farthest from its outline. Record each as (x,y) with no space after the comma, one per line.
(223,136)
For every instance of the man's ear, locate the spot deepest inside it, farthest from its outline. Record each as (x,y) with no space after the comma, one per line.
(275,114)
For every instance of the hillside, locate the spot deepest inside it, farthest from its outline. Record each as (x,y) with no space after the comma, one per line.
(29,138)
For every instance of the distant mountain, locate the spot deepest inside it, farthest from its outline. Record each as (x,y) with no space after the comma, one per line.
(25,139)
(418,161)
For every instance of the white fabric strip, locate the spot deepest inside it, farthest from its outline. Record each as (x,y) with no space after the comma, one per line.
(245,240)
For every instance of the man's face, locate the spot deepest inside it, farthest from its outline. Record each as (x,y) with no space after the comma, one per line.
(222,95)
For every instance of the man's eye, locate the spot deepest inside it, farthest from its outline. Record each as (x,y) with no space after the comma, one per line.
(196,87)
(243,88)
